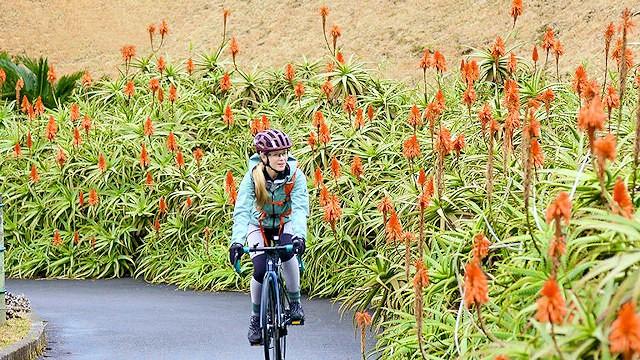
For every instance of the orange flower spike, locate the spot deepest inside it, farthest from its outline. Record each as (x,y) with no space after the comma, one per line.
(17,150)
(318,119)
(335,168)
(265,122)
(173,93)
(51,74)
(33,176)
(52,129)
(102,163)
(551,305)
(548,39)
(38,107)
(86,79)
(172,144)
(591,116)
(332,211)
(622,201)
(148,127)
(327,89)
(144,156)
(560,208)
(411,148)
(228,116)
(93,197)
(161,64)
(57,241)
(323,197)
(425,61)
(422,177)
(80,199)
(29,140)
(475,285)
(421,278)
(439,62)
(198,154)
(234,48)
(480,246)
(335,34)
(129,89)
(356,167)
(179,159)
(317,177)
(605,148)
(363,319)
(149,179)
(289,72)
(512,66)
(498,51)
(349,104)
(612,99)
(624,337)
(516,10)
(225,82)
(299,90)
(536,153)
(190,66)
(386,207)
(370,112)
(61,158)
(154,85)
(534,54)
(609,31)
(26,105)
(86,124)
(163,29)
(162,205)
(393,228)
(359,121)
(311,140)
(325,135)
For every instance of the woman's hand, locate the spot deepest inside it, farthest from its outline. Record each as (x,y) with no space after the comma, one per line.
(298,245)
(235,253)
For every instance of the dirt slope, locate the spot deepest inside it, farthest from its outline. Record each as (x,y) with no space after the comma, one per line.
(87,34)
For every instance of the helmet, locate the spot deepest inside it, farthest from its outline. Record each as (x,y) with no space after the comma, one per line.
(271,140)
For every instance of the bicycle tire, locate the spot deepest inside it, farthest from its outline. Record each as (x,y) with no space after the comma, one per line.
(270,319)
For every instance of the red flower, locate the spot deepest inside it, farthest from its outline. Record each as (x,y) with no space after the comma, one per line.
(154,85)
(38,107)
(421,278)
(52,129)
(325,135)
(172,144)
(93,197)
(550,305)
(422,177)
(327,89)
(356,167)
(289,72)
(33,176)
(312,140)
(86,123)
(128,52)
(230,188)
(51,74)
(425,61)
(534,54)
(173,93)
(61,158)
(144,156)
(148,127)
(190,66)
(485,116)
(469,96)
(480,246)
(411,148)
(415,117)
(149,179)
(513,64)
(317,177)
(161,64)
(548,39)
(163,29)
(26,105)
(605,148)
(444,141)
(162,205)
(592,116)
(359,121)
(179,159)
(225,82)
(29,140)
(536,153)
(198,154)
(624,337)
(318,119)
(622,200)
(81,199)
(475,285)
(439,61)
(234,48)
(299,90)
(370,112)
(335,168)
(129,89)
(498,51)
(349,104)
(386,206)
(425,195)
(611,99)
(393,228)
(579,80)
(560,208)
(17,150)
(86,79)
(228,116)
(102,163)
(516,10)
(57,241)
(471,72)
(332,211)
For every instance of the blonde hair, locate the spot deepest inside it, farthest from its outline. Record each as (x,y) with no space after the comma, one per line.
(262,196)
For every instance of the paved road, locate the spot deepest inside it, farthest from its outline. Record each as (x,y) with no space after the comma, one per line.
(130,319)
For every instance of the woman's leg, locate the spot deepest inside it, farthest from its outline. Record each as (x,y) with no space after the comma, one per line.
(259,267)
(290,269)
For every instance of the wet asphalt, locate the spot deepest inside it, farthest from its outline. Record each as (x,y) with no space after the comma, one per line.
(131,319)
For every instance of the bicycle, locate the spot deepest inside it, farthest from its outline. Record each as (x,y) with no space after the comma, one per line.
(274,301)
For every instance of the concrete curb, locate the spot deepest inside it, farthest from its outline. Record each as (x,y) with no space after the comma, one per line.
(31,346)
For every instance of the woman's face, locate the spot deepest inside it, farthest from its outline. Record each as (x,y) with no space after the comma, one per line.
(277,159)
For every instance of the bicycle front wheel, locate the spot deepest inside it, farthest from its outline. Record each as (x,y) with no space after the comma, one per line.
(271,321)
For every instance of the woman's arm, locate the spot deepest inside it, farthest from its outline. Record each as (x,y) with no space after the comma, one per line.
(300,205)
(243,209)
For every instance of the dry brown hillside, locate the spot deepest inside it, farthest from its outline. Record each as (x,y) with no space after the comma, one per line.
(87,34)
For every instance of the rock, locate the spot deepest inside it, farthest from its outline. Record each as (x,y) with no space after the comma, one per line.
(18,306)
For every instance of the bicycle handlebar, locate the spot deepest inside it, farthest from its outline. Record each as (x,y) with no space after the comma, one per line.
(287,248)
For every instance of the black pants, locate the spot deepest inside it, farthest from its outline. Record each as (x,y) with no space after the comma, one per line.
(260,261)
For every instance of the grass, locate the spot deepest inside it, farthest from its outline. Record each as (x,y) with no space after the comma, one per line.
(13,330)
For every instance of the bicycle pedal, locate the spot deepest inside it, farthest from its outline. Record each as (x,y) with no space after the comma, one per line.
(296,322)
(258,343)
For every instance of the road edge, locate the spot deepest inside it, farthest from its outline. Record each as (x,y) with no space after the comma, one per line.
(29,347)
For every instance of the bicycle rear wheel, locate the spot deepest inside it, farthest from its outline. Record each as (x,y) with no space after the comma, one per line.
(271,321)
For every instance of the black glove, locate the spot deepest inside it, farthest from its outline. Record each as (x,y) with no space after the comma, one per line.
(235,253)
(298,245)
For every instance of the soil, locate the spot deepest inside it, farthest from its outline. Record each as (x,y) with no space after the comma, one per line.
(388,35)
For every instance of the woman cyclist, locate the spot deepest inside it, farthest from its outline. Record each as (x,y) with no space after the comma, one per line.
(272,200)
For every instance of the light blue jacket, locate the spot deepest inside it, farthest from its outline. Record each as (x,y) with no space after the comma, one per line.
(245,211)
